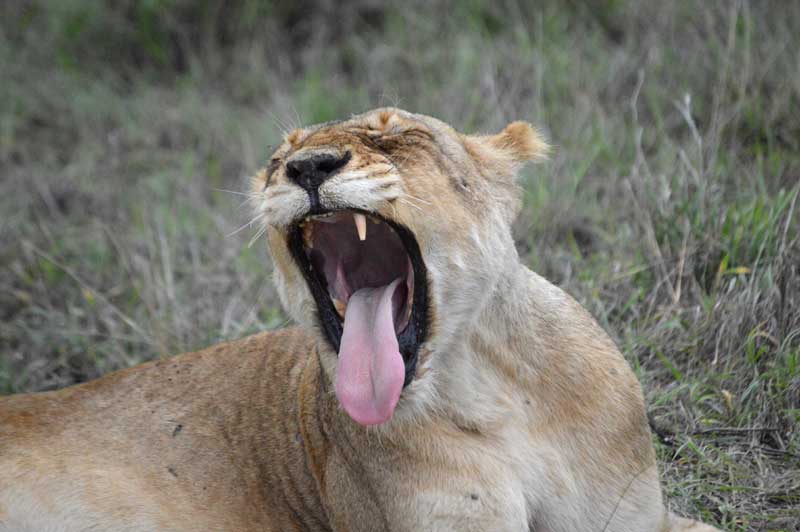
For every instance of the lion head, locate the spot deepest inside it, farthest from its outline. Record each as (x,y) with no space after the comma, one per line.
(388,231)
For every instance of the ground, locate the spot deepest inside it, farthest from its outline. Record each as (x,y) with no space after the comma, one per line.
(669,207)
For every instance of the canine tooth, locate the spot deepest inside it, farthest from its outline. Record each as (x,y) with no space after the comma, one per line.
(361,225)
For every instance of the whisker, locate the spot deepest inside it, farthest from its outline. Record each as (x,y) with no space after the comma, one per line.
(283,126)
(410,204)
(297,121)
(257,236)
(249,195)
(418,199)
(236,192)
(245,202)
(248,224)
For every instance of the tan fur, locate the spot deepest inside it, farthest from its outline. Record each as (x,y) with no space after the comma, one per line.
(523,414)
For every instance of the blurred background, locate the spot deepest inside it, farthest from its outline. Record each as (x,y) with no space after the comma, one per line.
(669,207)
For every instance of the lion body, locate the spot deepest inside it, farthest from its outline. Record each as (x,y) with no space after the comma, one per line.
(523,415)
(189,443)
(246,436)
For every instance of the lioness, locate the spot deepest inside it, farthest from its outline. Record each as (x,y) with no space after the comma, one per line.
(434,384)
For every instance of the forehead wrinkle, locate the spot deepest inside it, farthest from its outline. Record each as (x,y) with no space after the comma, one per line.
(332,140)
(339,137)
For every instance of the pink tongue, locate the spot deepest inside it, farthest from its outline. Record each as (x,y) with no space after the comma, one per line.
(371,372)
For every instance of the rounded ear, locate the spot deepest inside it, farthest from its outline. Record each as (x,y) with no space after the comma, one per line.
(520,141)
(506,152)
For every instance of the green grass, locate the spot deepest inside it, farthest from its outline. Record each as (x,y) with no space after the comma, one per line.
(669,207)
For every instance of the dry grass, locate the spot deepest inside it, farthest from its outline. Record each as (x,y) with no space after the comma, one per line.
(670,207)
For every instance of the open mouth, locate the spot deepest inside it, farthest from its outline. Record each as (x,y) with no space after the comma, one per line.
(368,280)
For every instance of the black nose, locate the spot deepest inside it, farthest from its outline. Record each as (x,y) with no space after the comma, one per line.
(311,171)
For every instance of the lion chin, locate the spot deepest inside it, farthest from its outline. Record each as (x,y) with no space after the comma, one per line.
(434,382)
